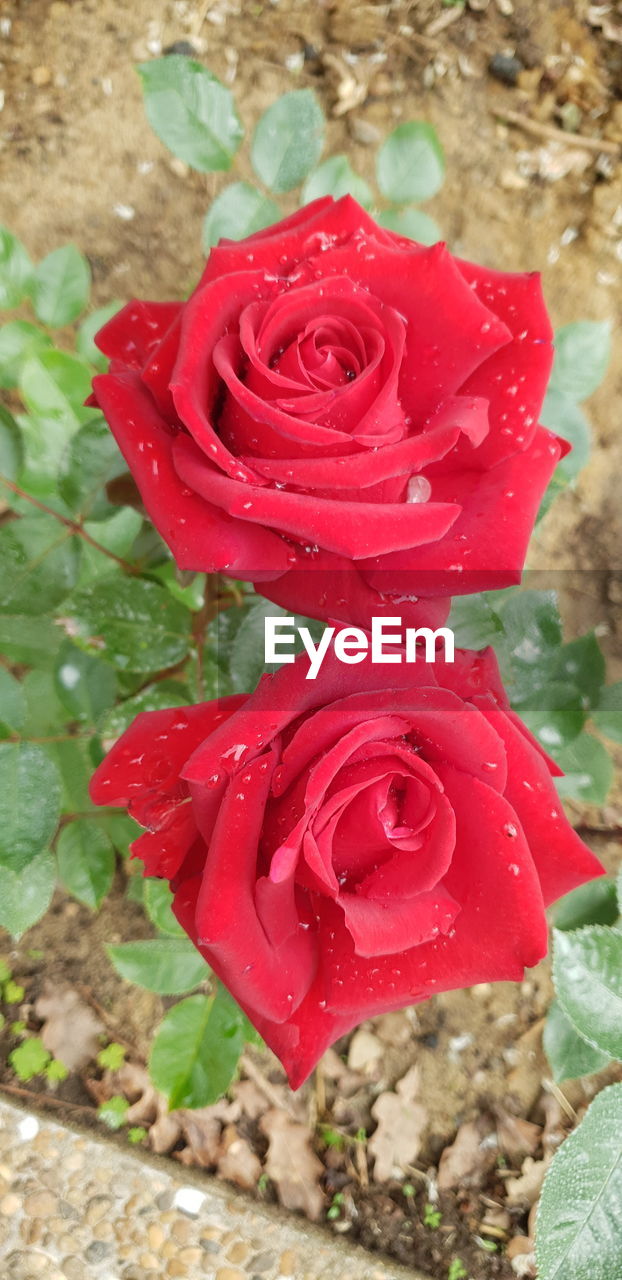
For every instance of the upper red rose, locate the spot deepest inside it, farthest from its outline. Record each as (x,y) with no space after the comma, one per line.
(335,397)
(352,845)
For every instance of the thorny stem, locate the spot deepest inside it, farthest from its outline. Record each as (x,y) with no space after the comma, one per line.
(73,525)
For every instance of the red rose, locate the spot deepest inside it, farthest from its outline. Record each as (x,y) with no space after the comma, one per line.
(335,397)
(345,847)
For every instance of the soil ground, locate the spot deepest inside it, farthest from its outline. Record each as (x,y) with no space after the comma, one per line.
(79,162)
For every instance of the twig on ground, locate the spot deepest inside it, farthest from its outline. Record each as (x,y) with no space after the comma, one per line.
(553,134)
(273,1096)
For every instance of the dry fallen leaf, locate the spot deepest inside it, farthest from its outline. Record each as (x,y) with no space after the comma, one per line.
(238,1162)
(71,1029)
(251,1099)
(517,1137)
(466,1162)
(526,1189)
(292,1164)
(365,1051)
(401,1123)
(202,1129)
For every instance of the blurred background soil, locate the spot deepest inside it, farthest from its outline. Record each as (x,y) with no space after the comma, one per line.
(79,162)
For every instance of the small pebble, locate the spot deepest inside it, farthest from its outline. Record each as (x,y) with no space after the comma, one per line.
(181,46)
(41,76)
(505,67)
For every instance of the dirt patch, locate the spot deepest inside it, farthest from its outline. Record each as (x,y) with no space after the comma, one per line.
(80,163)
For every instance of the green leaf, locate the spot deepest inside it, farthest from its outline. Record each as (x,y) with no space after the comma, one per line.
(15,270)
(157,899)
(578,1223)
(29,802)
(55,1071)
(581,665)
(85,337)
(13,993)
(582,352)
(45,713)
(18,340)
(85,685)
(168,966)
(593,903)
(39,562)
(246,662)
(85,861)
(34,646)
(54,386)
(112,1057)
(608,713)
(192,113)
(288,140)
(117,533)
(156,697)
(186,587)
(61,286)
(237,212)
(26,895)
(12,702)
(588,770)
(570,1056)
(131,623)
(587,971)
(11,451)
(529,649)
(196,1049)
(560,414)
(75,768)
(30,1058)
(91,460)
(336,178)
(122,830)
(411,223)
(474,622)
(410,164)
(556,716)
(114,1111)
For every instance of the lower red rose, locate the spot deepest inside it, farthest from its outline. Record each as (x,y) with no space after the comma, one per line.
(346,846)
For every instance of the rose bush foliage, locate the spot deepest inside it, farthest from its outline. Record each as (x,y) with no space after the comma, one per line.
(334,397)
(348,846)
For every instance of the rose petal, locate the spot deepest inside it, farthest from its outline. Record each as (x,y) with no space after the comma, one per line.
(136,330)
(357,530)
(562,860)
(270,980)
(200,536)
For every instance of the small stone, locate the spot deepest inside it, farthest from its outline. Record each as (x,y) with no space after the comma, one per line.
(9,1205)
(209,1246)
(97,1250)
(190,1256)
(238,1252)
(184,47)
(288,1263)
(40,1205)
(74,1268)
(229,1273)
(176,1269)
(103,1230)
(149,1261)
(262,1262)
(97,1208)
(41,76)
(155,1236)
(181,1230)
(506,67)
